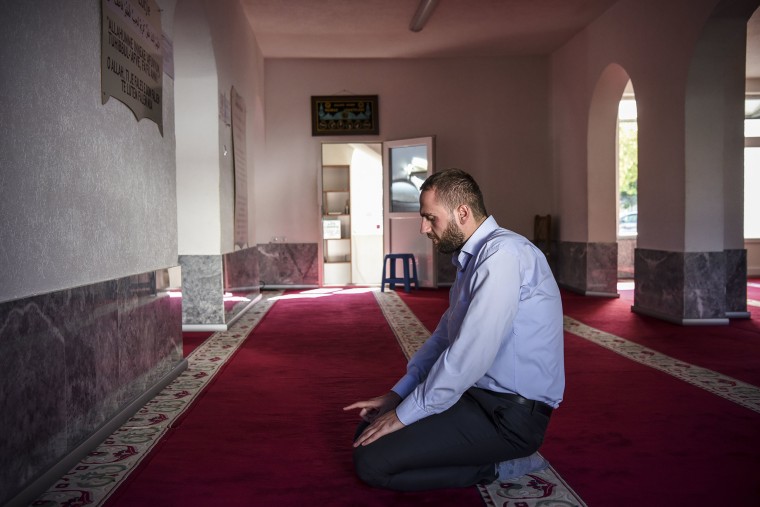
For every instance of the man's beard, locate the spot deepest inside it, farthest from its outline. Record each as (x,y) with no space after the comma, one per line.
(450,241)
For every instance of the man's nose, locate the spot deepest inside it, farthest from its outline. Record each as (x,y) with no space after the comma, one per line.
(424,227)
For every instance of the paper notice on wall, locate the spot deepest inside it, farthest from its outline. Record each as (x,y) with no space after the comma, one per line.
(331,228)
(241,169)
(131,57)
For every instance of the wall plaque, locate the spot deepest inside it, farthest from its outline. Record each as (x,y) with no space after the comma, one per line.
(131,59)
(239,157)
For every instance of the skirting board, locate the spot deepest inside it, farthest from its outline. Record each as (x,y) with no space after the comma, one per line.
(588,292)
(203,327)
(242,289)
(739,315)
(286,287)
(601,294)
(220,327)
(37,487)
(682,322)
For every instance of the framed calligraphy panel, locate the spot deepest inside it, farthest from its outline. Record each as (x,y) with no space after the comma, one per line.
(344,115)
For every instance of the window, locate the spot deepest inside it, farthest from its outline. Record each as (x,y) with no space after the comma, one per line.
(751,167)
(628,167)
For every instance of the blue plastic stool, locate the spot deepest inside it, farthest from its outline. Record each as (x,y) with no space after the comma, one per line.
(410,264)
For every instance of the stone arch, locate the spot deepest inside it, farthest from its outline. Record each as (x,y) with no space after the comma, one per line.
(601,181)
(602,154)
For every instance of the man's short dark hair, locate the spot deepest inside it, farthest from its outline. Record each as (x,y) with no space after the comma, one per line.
(454,187)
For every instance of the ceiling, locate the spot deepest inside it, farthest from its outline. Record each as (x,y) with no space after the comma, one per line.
(457,28)
(380,28)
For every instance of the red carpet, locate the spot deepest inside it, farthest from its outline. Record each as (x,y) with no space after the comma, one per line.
(720,348)
(427,304)
(629,435)
(191,340)
(270,430)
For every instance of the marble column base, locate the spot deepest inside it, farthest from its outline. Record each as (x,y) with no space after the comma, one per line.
(202,292)
(588,268)
(690,288)
(288,265)
(206,279)
(73,359)
(736,284)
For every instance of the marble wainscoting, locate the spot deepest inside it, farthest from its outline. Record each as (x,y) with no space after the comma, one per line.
(588,268)
(74,363)
(241,270)
(288,265)
(626,248)
(241,275)
(688,288)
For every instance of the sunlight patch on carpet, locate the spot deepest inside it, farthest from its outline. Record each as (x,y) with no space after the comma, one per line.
(532,490)
(99,474)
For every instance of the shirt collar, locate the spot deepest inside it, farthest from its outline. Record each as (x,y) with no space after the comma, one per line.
(473,245)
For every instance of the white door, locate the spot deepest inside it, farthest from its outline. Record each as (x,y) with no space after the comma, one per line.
(406,164)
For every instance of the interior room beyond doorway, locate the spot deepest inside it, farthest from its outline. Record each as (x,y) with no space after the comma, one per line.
(352,213)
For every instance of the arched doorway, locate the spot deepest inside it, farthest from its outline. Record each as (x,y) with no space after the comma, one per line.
(603,181)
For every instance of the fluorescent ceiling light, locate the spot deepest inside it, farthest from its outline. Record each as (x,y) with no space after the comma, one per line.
(424,10)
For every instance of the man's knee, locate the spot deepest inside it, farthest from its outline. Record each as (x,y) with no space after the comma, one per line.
(366,466)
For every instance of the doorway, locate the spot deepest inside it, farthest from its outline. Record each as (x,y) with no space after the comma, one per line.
(351,183)
(408,162)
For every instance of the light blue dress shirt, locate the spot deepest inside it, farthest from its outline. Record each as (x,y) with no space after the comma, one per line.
(502,330)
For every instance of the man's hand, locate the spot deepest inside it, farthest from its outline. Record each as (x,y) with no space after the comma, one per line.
(381,413)
(386,423)
(374,408)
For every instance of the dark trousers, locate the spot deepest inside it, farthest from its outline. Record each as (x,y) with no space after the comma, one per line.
(456,448)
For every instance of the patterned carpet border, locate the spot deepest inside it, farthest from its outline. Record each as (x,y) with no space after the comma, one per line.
(742,393)
(532,490)
(102,471)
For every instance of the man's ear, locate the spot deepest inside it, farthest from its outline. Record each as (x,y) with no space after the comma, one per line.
(463,213)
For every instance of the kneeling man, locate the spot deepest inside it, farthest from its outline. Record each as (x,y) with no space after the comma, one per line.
(476,399)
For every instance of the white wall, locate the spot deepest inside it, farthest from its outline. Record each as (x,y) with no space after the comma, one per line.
(239,63)
(753,246)
(198,179)
(653,42)
(715,137)
(87,193)
(215,50)
(490,117)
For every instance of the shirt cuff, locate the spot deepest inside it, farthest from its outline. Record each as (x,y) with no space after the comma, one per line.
(405,386)
(408,412)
